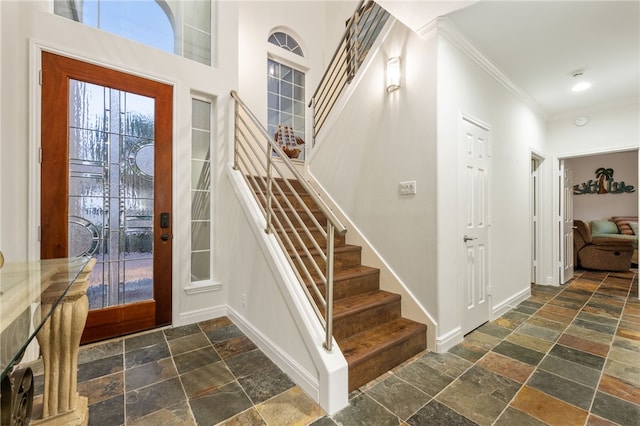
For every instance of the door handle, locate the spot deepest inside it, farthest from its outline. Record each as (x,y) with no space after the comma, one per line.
(468,238)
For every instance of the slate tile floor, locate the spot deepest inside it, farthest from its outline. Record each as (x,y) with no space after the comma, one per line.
(568,355)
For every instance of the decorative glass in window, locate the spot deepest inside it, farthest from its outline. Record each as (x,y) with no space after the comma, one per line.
(287,42)
(200,190)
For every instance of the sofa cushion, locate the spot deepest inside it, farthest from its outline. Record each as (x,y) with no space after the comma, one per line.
(599,227)
(634,227)
(623,223)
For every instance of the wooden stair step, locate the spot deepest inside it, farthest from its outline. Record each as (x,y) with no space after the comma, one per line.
(353,280)
(379,349)
(353,315)
(345,256)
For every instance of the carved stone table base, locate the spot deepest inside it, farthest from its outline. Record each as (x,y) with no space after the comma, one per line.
(59,341)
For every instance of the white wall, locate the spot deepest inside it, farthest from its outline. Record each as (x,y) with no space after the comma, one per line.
(379,140)
(611,128)
(469,87)
(593,206)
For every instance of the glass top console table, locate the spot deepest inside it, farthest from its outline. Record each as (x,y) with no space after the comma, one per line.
(33,296)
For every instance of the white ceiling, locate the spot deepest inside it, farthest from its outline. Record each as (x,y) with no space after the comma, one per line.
(538,45)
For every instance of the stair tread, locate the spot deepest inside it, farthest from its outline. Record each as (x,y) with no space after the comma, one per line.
(342,248)
(348,272)
(361,302)
(374,340)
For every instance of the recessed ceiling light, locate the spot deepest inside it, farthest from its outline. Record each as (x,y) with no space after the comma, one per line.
(581,121)
(582,86)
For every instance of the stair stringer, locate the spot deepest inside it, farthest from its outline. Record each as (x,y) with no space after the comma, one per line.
(328,384)
(389,281)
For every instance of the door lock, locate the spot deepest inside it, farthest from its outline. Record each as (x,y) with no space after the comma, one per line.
(468,238)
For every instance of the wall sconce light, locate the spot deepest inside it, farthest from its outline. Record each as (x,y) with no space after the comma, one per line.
(393,74)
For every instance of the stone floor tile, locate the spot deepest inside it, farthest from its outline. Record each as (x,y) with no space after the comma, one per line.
(620,388)
(570,370)
(146,354)
(624,355)
(102,388)
(295,407)
(399,397)
(547,323)
(205,379)
(530,342)
(513,417)
(265,384)
(248,417)
(234,346)
(615,409)
(594,420)
(108,412)
(214,323)
(466,399)
(578,356)
(627,372)
(144,340)
(182,331)
(195,359)
(481,340)
(425,378)
(561,388)
(176,414)
(220,334)
(495,385)
(598,319)
(468,351)
(511,320)
(586,334)
(180,345)
(548,409)
(543,313)
(543,333)
(623,342)
(445,363)
(100,350)
(519,353)
(248,363)
(436,413)
(506,366)
(147,374)
(219,405)
(585,345)
(628,333)
(590,325)
(147,400)
(99,367)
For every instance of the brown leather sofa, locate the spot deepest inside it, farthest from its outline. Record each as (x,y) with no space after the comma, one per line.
(603,254)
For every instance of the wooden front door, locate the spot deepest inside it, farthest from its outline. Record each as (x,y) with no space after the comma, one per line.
(106,189)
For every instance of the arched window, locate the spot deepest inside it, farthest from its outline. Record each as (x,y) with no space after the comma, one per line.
(285,41)
(183,28)
(286,98)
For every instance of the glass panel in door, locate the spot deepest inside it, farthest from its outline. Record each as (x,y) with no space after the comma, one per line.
(111,190)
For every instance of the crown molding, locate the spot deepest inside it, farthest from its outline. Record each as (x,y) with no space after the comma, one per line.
(449,31)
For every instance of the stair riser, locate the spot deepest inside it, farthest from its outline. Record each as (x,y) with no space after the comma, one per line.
(338,240)
(342,259)
(355,323)
(387,359)
(304,217)
(354,286)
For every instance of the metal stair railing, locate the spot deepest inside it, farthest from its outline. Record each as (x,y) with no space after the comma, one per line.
(362,31)
(269,172)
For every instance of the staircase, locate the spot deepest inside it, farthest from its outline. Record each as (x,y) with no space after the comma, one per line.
(368,325)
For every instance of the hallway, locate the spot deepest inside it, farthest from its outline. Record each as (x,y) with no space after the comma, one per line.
(567,355)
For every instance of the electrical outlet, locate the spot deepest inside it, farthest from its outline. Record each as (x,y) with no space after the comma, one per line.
(407,188)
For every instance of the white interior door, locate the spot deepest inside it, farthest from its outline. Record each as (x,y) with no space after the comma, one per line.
(565,223)
(475,202)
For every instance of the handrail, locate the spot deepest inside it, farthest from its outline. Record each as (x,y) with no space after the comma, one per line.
(361,32)
(253,156)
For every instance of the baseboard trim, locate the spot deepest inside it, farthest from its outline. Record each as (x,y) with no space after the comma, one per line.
(290,367)
(449,340)
(510,303)
(200,315)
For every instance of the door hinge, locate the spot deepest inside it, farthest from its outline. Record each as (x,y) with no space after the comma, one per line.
(40,77)
(40,155)
(39,233)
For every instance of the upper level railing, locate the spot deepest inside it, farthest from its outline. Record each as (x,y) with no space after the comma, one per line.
(361,32)
(269,173)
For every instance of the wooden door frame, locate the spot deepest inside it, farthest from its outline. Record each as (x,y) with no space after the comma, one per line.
(103,75)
